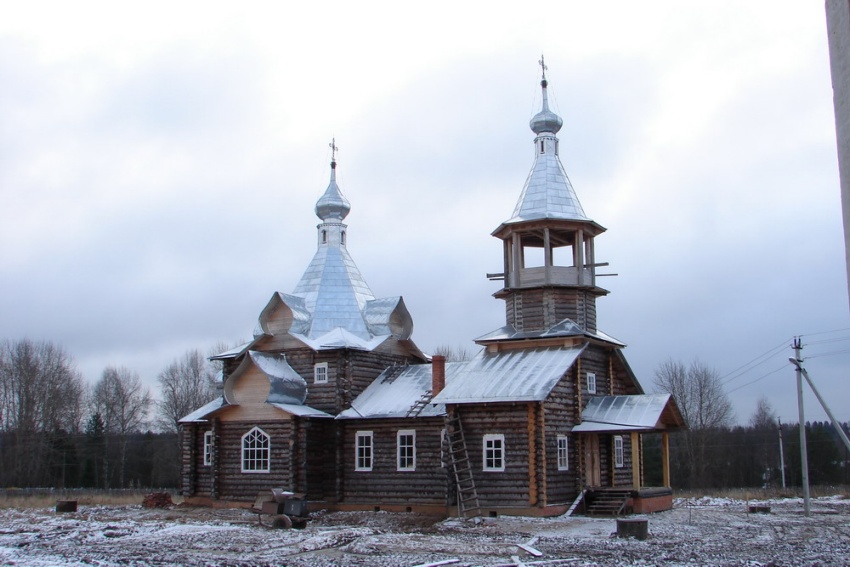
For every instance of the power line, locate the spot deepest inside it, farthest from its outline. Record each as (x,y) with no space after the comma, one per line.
(783,367)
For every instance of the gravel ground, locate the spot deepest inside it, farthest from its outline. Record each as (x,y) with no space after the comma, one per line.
(696,532)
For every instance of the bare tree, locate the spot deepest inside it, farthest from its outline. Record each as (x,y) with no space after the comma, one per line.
(40,392)
(453,353)
(764,417)
(186,384)
(123,403)
(705,408)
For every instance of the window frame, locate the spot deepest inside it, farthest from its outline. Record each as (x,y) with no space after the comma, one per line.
(591,380)
(208,446)
(562,449)
(406,462)
(320,373)
(619,453)
(249,454)
(496,456)
(363,461)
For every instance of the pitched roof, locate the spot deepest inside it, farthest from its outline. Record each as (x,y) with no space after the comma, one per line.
(507,376)
(394,392)
(645,412)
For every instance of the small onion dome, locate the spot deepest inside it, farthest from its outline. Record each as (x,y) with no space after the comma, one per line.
(545,120)
(332,205)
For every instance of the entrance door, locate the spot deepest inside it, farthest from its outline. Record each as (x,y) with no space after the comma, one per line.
(592,471)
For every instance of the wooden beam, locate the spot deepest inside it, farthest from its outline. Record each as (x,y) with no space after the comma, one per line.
(532,455)
(636,459)
(665,458)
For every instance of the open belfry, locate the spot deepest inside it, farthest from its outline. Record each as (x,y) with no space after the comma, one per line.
(333,399)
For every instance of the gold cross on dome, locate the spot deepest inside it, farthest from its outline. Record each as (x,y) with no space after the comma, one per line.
(333,148)
(543,66)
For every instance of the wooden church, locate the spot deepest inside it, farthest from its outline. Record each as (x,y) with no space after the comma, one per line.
(334,400)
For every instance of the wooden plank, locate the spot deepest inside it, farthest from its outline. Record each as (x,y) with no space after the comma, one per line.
(530,550)
(438,563)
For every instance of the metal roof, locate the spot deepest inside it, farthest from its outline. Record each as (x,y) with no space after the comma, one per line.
(507,376)
(566,328)
(394,392)
(287,386)
(624,413)
(200,414)
(548,193)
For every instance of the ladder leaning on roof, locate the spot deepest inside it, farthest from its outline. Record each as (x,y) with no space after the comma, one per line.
(467,495)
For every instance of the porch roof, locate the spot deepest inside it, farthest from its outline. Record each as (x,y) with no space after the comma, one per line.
(646,412)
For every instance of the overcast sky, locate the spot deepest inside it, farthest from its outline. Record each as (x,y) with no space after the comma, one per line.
(159,165)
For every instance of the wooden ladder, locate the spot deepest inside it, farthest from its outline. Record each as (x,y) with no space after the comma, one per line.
(420,404)
(467,496)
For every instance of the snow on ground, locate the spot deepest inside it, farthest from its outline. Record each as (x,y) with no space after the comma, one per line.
(696,532)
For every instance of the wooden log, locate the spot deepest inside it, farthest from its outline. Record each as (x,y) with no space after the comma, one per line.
(759,509)
(633,527)
(66,505)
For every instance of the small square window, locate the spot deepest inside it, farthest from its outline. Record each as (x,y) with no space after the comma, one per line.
(363,451)
(591,383)
(320,373)
(494,452)
(407,450)
(618,451)
(208,446)
(563,453)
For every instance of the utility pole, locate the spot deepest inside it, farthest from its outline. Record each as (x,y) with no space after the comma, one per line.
(804,455)
(781,453)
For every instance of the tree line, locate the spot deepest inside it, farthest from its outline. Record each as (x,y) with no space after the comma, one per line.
(714,453)
(57,430)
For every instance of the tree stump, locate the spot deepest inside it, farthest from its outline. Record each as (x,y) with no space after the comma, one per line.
(66,505)
(636,528)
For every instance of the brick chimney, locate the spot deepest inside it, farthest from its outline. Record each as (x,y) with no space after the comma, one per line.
(438,374)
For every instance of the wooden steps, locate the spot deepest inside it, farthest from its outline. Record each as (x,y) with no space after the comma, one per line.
(467,496)
(609,502)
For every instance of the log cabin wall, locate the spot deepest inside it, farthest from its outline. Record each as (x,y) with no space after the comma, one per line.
(238,486)
(187,435)
(622,476)
(385,484)
(560,411)
(541,308)
(316,459)
(595,359)
(510,487)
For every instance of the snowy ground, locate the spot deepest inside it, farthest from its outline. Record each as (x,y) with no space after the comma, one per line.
(696,532)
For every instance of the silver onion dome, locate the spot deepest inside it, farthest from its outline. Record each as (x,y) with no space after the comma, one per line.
(545,120)
(332,206)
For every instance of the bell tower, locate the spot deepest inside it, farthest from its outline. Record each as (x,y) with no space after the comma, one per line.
(549,257)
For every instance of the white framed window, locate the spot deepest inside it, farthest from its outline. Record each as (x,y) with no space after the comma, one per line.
(208,438)
(494,452)
(591,382)
(256,451)
(363,451)
(563,453)
(320,373)
(406,443)
(618,451)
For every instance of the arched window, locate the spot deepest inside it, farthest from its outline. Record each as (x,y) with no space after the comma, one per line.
(324,237)
(342,238)
(256,451)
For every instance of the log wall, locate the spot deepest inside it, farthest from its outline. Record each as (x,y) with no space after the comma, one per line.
(233,484)
(510,487)
(384,484)
(561,414)
(543,307)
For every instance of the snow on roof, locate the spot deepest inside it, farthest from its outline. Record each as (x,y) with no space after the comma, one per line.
(234,352)
(200,414)
(394,392)
(623,413)
(566,328)
(301,410)
(507,376)
(287,386)
(341,338)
